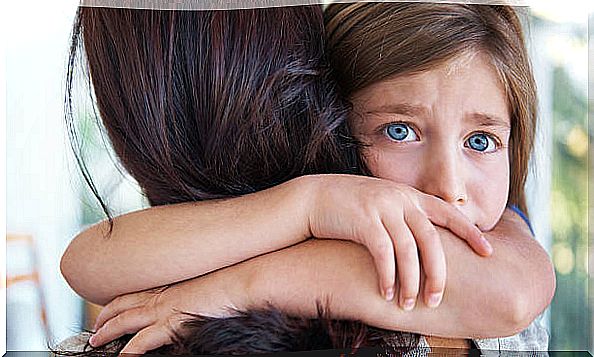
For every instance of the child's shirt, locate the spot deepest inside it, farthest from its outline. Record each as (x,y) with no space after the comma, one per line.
(535,338)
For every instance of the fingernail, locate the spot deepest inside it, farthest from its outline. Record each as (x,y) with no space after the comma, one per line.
(434,300)
(409,304)
(92,341)
(389,294)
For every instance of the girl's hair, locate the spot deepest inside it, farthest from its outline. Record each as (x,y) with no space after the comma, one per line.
(371,42)
(211,104)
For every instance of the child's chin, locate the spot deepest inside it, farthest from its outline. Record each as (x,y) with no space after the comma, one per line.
(487,219)
(476,217)
(486,225)
(486,228)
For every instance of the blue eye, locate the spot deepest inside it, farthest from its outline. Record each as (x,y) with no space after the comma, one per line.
(400,132)
(482,142)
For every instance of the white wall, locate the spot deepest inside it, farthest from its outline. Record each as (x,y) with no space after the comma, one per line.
(3,179)
(41,196)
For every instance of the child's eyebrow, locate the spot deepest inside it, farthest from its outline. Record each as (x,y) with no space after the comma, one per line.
(478,118)
(489,120)
(403,109)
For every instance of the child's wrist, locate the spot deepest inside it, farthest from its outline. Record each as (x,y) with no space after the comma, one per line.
(302,200)
(227,290)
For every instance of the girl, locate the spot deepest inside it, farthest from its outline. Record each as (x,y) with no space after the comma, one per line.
(394,130)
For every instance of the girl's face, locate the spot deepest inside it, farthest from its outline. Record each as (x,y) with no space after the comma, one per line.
(444,132)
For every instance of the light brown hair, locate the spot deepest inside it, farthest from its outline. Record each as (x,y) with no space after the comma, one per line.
(371,42)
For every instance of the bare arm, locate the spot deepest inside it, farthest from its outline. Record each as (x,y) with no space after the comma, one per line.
(165,245)
(484,297)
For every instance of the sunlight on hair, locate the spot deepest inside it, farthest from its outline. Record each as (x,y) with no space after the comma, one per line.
(461,61)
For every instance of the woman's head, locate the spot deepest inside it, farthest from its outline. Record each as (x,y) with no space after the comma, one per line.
(268,330)
(208,104)
(432,75)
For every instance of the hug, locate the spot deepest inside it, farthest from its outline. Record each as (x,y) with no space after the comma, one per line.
(335,178)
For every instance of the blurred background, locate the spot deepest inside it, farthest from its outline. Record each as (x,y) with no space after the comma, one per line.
(47,203)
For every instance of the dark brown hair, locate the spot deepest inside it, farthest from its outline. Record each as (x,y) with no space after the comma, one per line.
(212,104)
(269,330)
(371,42)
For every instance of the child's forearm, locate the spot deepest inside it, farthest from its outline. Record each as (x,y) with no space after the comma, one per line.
(484,297)
(162,245)
(165,245)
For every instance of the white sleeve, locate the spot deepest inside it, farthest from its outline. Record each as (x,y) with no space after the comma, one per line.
(535,338)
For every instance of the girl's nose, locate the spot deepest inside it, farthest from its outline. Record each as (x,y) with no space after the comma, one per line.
(444,177)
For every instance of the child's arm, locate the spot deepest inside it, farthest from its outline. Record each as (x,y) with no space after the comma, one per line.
(164,245)
(485,297)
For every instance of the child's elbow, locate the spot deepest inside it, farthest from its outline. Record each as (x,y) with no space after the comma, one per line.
(67,266)
(525,306)
(73,268)
(519,315)
(70,269)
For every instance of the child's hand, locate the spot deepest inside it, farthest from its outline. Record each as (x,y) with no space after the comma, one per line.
(153,315)
(396,223)
(139,313)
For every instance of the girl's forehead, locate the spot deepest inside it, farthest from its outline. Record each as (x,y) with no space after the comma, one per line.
(461,61)
(466,84)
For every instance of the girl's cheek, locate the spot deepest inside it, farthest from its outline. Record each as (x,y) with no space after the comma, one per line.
(395,165)
(488,188)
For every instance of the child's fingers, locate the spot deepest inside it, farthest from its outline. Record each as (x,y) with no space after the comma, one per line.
(127,322)
(445,215)
(432,256)
(148,339)
(405,249)
(380,247)
(117,306)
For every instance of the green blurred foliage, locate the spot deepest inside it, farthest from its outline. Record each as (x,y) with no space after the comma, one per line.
(570,312)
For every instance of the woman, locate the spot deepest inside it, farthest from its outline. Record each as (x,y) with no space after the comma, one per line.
(390,317)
